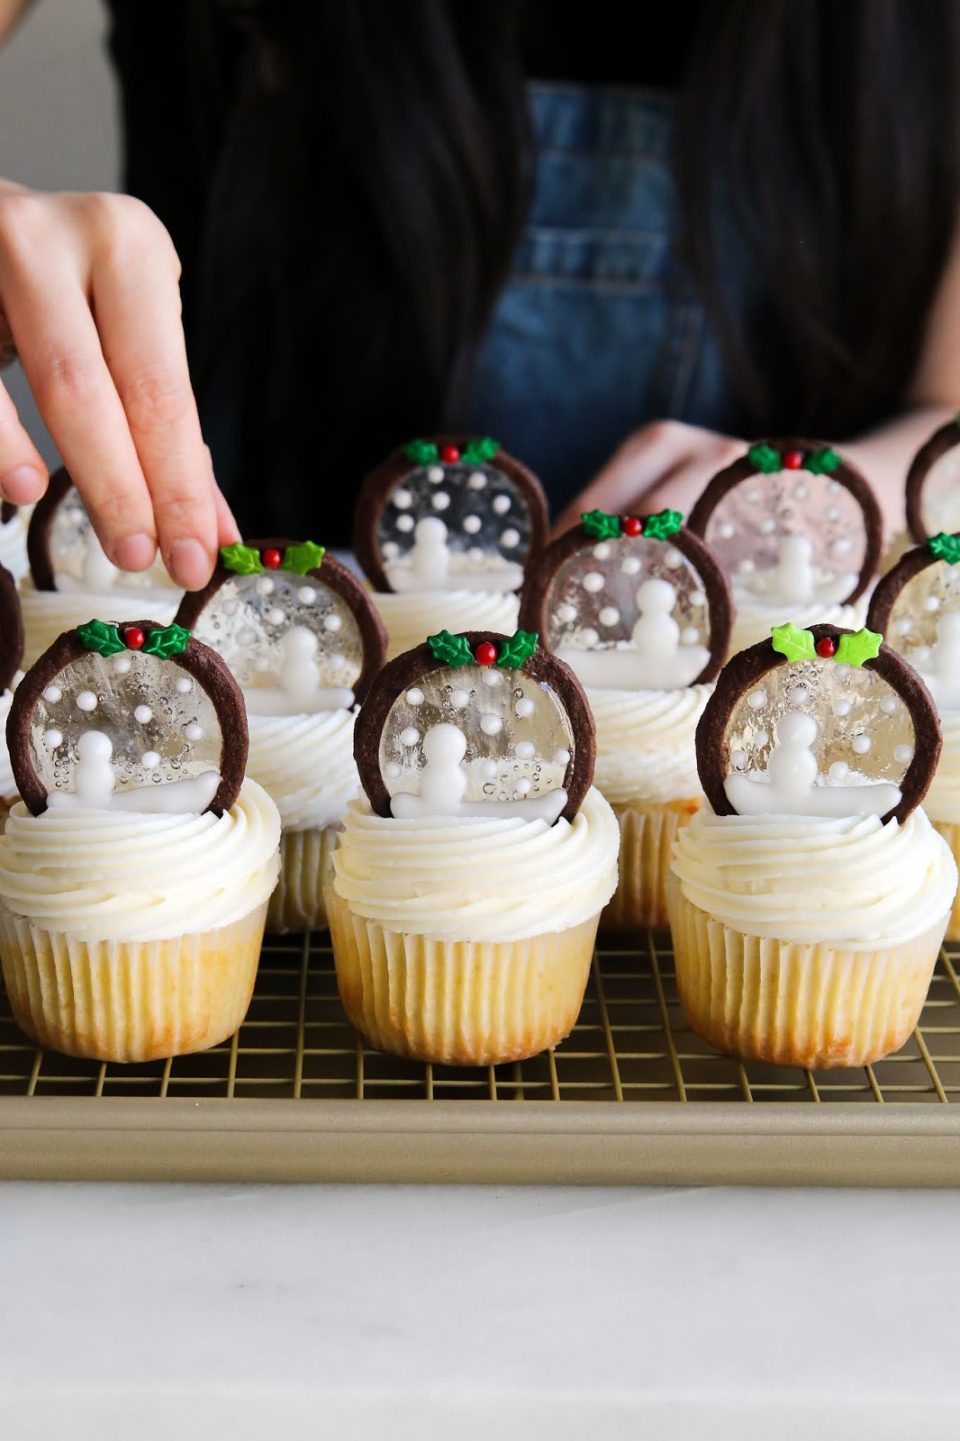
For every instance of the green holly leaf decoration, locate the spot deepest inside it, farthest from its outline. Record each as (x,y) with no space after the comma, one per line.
(519,648)
(302,558)
(480,451)
(794,643)
(822,462)
(241,559)
(600,525)
(448,649)
(165,641)
(421,452)
(662,525)
(101,636)
(945,547)
(858,646)
(765,459)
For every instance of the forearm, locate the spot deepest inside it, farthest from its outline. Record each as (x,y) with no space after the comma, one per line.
(10,13)
(884,456)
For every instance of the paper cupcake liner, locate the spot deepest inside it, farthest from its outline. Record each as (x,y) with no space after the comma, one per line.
(647,833)
(130,1000)
(818,1006)
(461,1003)
(297,903)
(951,834)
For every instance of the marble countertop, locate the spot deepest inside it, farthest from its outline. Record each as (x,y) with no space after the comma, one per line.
(146,1311)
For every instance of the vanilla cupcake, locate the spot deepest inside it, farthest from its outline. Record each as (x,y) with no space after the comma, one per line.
(71,578)
(809,898)
(444,530)
(640,611)
(468,885)
(799,533)
(135,873)
(302,638)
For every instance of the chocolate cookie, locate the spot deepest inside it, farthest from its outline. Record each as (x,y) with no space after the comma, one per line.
(928,483)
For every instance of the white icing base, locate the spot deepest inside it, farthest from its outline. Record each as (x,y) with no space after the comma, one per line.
(629,669)
(265,700)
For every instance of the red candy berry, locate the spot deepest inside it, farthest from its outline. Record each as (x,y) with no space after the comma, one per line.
(272,559)
(826,646)
(449,454)
(632,525)
(485,653)
(134,638)
(793,460)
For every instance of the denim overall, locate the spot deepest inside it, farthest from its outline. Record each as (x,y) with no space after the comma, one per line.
(598,330)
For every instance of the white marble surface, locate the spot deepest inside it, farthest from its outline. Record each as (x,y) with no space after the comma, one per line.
(148,1312)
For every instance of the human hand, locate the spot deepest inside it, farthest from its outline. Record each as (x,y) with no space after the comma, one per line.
(666,464)
(90,302)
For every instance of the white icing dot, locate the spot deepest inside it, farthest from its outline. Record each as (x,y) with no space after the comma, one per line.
(888,705)
(471,524)
(489,769)
(832,513)
(754,497)
(903,753)
(524,708)
(332,621)
(86,700)
(525,749)
(52,694)
(746,566)
(150,760)
(609,615)
(838,770)
(459,698)
(491,725)
(801,695)
(697,599)
(842,671)
(476,552)
(843,546)
(306,595)
(336,661)
(903,626)
(690,635)
(415,696)
(510,539)
(501,504)
(566,613)
(52,738)
(435,474)
(632,565)
(673,558)
(932,602)
(768,527)
(523,787)
(602,551)
(402,498)
(247,636)
(842,707)
(262,664)
(275,615)
(393,769)
(410,736)
(561,758)
(143,713)
(477,481)
(121,664)
(491,677)
(193,731)
(592,581)
(726,530)
(265,585)
(184,685)
(404,522)
(738,759)
(757,699)
(800,491)
(230,607)
(589,636)
(861,744)
(390,550)
(440,500)
(762,738)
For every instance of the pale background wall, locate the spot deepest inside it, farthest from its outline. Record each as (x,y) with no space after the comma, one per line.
(58,124)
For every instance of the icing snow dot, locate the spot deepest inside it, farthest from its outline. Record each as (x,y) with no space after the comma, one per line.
(842,707)
(697,599)
(903,754)
(393,769)
(903,626)
(738,759)
(861,744)
(501,504)
(306,595)
(561,758)
(566,613)
(402,499)
(52,738)
(435,474)
(801,695)
(602,551)
(632,565)
(523,787)
(150,760)
(275,615)
(838,771)
(888,705)
(265,585)
(673,558)
(184,685)
(768,527)
(592,582)
(477,481)
(415,696)
(491,677)
(332,621)
(589,636)
(440,500)
(491,725)
(932,602)
(459,698)
(86,700)
(471,524)
(489,769)
(121,664)
(410,736)
(757,699)
(609,615)
(525,749)
(52,694)
(727,530)
(524,708)
(193,731)
(336,661)
(390,550)
(405,522)
(143,713)
(510,538)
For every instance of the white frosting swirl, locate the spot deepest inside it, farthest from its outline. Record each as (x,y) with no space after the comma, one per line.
(754,618)
(8,784)
(413,615)
(942,801)
(13,547)
(810,879)
(645,743)
(120,875)
(48,613)
(501,879)
(305,762)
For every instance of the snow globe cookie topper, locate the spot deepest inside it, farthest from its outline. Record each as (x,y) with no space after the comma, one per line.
(65,554)
(11,630)
(631,602)
(933,484)
(449,514)
(792,523)
(917,604)
(131,716)
(296,628)
(818,722)
(477,724)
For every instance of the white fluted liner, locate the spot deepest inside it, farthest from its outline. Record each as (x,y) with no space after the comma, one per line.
(305,865)
(646,845)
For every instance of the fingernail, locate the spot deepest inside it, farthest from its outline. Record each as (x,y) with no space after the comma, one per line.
(21,485)
(189,564)
(134,552)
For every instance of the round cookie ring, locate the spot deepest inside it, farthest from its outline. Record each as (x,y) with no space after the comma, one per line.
(533,597)
(742,673)
(847,475)
(38,531)
(940,442)
(401,673)
(380,482)
(889,586)
(198,660)
(331,573)
(11,629)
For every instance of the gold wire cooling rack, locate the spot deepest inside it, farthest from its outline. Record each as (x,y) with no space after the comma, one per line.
(633,1095)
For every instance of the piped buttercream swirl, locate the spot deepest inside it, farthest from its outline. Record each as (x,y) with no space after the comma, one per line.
(942,801)
(645,743)
(411,616)
(305,763)
(48,613)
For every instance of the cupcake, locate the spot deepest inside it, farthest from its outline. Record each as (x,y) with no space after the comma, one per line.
(640,611)
(13,540)
(809,898)
(300,635)
(135,873)
(799,533)
(932,494)
(11,654)
(917,606)
(444,530)
(468,884)
(71,578)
